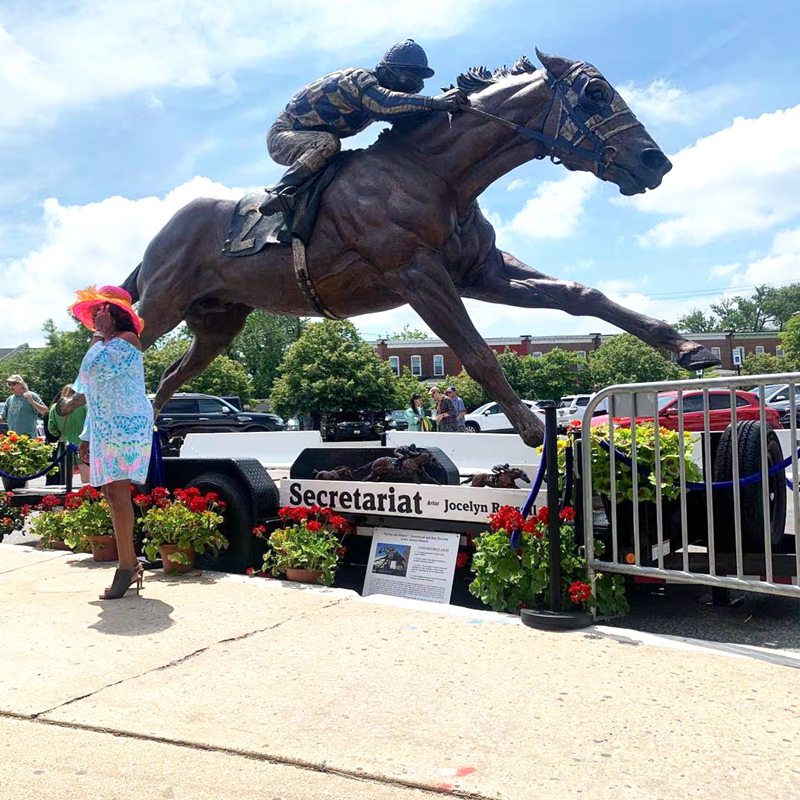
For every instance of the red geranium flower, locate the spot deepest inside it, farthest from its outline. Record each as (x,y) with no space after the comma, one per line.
(567,514)
(314,525)
(579,592)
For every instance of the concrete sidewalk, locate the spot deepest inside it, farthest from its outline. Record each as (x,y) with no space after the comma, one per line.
(215,686)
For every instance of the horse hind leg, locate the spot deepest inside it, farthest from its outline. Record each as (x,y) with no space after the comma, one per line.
(212,333)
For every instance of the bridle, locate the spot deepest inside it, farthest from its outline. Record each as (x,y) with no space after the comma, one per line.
(578,118)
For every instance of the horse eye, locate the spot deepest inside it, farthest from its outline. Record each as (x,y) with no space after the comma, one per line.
(595,96)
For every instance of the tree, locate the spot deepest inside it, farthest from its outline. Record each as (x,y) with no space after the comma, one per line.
(626,359)
(405,385)
(47,369)
(557,373)
(697,322)
(223,376)
(408,334)
(764,364)
(262,344)
(769,308)
(331,368)
(790,339)
(469,390)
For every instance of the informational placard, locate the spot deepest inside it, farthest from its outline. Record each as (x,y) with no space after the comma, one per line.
(416,564)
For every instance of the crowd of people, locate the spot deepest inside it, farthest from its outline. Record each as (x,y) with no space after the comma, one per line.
(446,416)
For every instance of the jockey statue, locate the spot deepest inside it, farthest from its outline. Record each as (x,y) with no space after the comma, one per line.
(306,136)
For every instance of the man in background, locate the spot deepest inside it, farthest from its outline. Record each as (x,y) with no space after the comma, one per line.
(461,411)
(22,407)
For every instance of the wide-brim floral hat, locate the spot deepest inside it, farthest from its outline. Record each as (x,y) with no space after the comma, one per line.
(91,297)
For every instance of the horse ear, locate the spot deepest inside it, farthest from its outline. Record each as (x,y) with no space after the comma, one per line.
(555,65)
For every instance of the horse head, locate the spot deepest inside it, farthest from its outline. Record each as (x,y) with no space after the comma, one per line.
(567,111)
(519,475)
(593,129)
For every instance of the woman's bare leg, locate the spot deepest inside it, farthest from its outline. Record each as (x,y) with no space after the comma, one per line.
(118,495)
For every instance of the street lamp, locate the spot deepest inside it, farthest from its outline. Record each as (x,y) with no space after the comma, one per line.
(729,334)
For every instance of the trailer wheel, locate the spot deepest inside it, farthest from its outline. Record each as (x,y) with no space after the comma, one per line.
(751,514)
(236,528)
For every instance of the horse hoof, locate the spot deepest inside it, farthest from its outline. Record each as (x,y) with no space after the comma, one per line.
(702,358)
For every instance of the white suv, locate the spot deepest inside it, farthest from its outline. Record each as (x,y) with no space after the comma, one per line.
(572,408)
(490,418)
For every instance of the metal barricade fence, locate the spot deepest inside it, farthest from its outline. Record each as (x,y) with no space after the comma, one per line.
(723,531)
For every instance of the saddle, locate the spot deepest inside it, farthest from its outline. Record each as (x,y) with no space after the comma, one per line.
(250,231)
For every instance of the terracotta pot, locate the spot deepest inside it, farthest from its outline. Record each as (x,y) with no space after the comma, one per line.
(104,548)
(57,544)
(303,575)
(10,484)
(166,550)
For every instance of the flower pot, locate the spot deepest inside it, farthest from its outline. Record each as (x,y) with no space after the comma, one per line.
(303,575)
(167,550)
(10,484)
(104,548)
(56,544)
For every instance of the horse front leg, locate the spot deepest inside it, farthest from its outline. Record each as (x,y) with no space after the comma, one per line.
(505,279)
(427,287)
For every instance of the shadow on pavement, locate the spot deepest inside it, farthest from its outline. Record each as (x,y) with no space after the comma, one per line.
(132,616)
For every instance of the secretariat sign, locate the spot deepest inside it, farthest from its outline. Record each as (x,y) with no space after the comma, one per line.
(416,501)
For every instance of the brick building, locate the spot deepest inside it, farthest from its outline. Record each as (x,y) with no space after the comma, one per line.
(432,359)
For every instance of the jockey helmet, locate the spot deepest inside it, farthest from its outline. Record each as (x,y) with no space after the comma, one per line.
(409,55)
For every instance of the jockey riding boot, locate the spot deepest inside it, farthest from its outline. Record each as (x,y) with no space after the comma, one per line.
(282,197)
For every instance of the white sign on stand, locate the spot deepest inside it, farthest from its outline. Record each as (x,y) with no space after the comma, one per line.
(415,564)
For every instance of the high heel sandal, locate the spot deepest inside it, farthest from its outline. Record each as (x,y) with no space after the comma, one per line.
(123,580)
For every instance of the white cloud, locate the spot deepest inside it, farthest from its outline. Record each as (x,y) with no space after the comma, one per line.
(744,178)
(555,210)
(82,53)
(660,101)
(780,265)
(723,270)
(97,243)
(517,183)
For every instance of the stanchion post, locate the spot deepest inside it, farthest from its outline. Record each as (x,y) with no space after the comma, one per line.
(554,530)
(69,463)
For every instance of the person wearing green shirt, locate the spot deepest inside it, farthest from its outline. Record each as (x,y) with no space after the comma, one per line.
(22,407)
(68,428)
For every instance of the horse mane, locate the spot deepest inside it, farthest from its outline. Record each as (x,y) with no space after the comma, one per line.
(474,80)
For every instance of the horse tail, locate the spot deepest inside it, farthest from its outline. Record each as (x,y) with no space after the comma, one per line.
(129,285)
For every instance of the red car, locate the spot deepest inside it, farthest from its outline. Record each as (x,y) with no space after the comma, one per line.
(719,415)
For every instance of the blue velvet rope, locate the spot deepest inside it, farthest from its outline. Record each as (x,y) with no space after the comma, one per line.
(701,487)
(44,471)
(528,505)
(155,471)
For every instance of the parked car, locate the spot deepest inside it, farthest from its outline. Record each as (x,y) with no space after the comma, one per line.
(719,417)
(189,412)
(396,420)
(571,408)
(778,396)
(490,418)
(353,425)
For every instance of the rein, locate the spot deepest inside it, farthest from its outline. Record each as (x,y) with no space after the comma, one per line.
(582,121)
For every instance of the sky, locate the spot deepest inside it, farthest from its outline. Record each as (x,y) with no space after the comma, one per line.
(115,114)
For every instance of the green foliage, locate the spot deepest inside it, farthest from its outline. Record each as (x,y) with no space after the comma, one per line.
(627,359)
(50,526)
(405,385)
(47,369)
(309,539)
(508,580)
(12,517)
(790,340)
(556,373)
(86,515)
(331,368)
(223,376)
(408,334)
(764,364)
(261,345)
(669,455)
(769,308)
(20,455)
(469,390)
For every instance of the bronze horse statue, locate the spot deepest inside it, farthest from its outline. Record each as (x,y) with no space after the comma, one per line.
(409,468)
(502,477)
(400,223)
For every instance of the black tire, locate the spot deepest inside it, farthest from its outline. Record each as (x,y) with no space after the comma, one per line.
(472,427)
(237,527)
(751,514)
